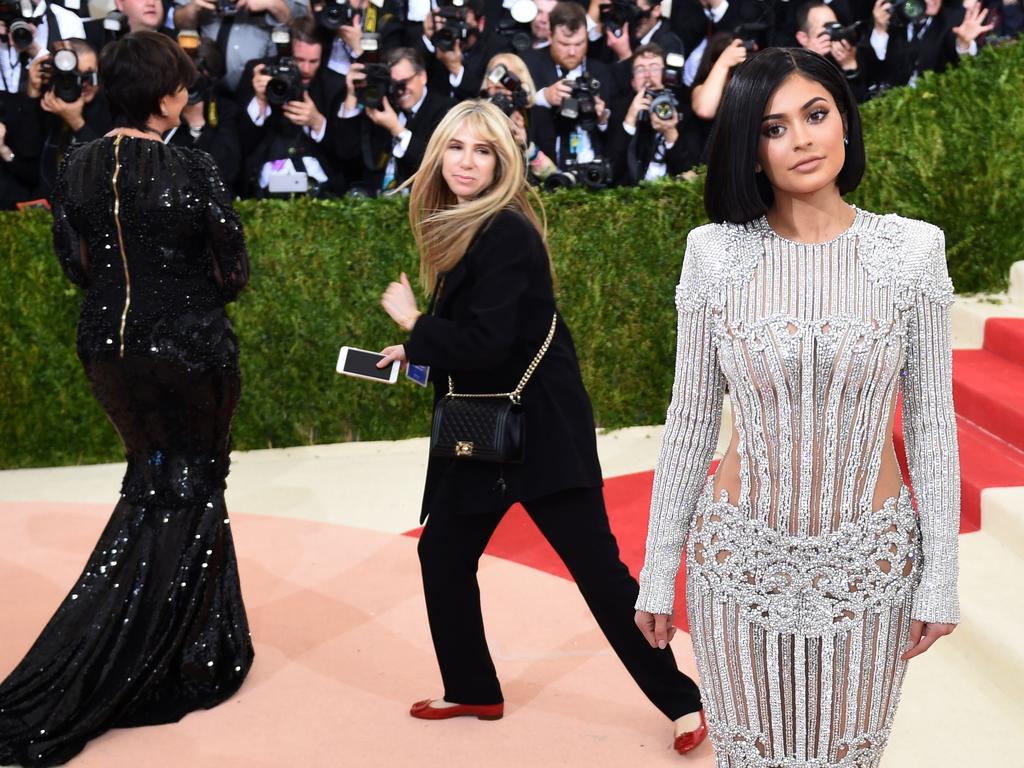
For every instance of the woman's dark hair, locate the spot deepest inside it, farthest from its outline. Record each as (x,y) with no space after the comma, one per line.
(716,46)
(140,69)
(733,192)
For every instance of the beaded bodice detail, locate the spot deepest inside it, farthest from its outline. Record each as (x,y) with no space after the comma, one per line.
(813,343)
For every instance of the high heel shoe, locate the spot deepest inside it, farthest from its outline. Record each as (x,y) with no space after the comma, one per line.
(689,741)
(426,711)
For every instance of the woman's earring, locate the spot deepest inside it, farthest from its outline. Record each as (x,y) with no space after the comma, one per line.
(757,167)
(846,139)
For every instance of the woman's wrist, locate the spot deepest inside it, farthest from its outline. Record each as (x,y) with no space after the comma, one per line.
(409,321)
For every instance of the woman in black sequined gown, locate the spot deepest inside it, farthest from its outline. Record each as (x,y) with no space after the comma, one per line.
(155,626)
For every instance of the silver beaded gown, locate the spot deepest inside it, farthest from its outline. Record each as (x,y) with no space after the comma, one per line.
(801,593)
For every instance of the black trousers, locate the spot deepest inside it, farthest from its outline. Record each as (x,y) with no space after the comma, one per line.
(576,524)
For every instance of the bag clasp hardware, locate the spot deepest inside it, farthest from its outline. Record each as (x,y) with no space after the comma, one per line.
(463,448)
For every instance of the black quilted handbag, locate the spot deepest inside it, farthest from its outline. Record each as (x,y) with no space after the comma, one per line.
(484,427)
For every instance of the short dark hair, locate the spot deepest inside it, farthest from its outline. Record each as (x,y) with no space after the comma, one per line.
(411,55)
(733,192)
(651,49)
(568,14)
(804,11)
(305,30)
(140,69)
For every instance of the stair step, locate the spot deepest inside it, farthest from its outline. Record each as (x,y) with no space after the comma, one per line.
(985,462)
(1005,337)
(989,391)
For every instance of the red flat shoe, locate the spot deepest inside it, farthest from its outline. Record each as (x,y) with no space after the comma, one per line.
(689,741)
(425,711)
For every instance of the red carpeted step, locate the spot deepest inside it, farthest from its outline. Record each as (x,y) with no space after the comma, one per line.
(1004,336)
(989,391)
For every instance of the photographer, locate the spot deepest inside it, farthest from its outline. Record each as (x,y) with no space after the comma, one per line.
(819,30)
(695,21)
(653,140)
(540,29)
(572,111)
(902,48)
(27,31)
(209,120)
(349,26)
(508,86)
(291,106)
(388,117)
(641,24)
(71,107)
(242,28)
(456,44)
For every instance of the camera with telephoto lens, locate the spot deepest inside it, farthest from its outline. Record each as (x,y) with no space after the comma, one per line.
(17,15)
(851,33)
(516,26)
(905,13)
(63,78)
(376,87)
(285,82)
(664,104)
(452,28)
(596,174)
(617,13)
(335,14)
(581,105)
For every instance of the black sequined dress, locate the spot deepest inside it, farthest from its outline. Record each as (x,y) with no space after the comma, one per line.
(155,626)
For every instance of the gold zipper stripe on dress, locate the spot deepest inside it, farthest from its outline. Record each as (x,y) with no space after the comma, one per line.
(120,242)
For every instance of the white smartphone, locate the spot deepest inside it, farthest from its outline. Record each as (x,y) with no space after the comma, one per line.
(296,182)
(362,364)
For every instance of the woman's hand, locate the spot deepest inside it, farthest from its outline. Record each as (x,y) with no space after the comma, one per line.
(391,354)
(923,635)
(400,304)
(656,627)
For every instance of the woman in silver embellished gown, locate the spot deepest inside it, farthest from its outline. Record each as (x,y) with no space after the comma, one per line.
(808,572)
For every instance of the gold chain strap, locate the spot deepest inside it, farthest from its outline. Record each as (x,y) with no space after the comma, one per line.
(514,395)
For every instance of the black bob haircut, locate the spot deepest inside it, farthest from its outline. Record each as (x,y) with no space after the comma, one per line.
(140,69)
(733,191)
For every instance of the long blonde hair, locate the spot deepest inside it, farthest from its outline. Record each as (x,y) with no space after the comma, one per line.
(443,227)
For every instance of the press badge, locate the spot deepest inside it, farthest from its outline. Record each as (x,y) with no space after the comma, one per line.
(418,374)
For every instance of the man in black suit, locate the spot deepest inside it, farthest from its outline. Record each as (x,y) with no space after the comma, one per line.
(554,70)
(899,53)
(812,21)
(644,146)
(456,68)
(648,29)
(694,21)
(384,147)
(291,144)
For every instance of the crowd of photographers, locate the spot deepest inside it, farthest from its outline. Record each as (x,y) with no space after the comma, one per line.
(340,97)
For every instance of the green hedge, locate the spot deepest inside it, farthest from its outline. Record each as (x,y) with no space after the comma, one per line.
(950,151)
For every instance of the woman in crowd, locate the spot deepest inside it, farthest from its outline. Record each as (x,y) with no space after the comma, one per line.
(810,580)
(482,255)
(155,626)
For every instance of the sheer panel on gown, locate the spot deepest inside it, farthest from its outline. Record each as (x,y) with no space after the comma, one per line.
(801,590)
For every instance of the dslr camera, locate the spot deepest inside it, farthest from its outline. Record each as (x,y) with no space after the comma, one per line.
(596,174)
(581,105)
(753,34)
(377,86)
(516,97)
(63,78)
(17,15)
(905,13)
(664,104)
(516,26)
(450,27)
(335,14)
(617,13)
(851,33)
(285,82)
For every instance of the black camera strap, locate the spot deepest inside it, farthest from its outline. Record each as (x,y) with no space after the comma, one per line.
(223,33)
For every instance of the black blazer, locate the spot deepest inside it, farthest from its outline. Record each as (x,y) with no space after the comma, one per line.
(493,314)
(474,63)
(935,51)
(221,142)
(365,147)
(327,90)
(632,155)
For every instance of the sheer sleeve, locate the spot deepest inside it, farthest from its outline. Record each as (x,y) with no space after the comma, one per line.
(691,433)
(929,430)
(224,229)
(67,243)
